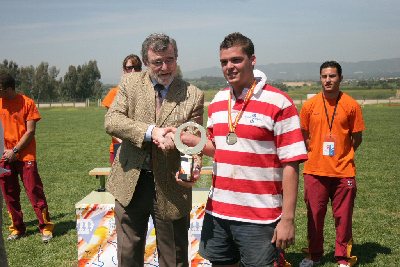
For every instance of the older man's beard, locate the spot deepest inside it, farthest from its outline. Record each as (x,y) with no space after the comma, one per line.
(160,80)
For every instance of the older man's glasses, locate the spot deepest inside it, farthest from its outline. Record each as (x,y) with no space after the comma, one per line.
(159,62)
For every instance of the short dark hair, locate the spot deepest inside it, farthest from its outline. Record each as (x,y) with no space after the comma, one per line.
(6,81)
(238,39)
(137,63)
(331,64)
(158,42)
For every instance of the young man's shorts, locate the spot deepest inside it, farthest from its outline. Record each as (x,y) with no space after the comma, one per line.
(225,242)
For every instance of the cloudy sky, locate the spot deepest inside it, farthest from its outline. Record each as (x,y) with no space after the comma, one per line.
(72,32)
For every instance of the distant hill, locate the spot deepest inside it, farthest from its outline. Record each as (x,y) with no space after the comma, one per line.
(384,68)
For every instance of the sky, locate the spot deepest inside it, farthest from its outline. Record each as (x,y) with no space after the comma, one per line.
(72,32)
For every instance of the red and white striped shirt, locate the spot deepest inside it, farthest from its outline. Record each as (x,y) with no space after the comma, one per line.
(247,176)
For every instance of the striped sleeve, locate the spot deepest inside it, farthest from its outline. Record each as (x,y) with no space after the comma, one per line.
(288,136)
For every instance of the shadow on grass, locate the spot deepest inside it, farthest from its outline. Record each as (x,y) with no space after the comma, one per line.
(62,222)
(366,253)
(64,227)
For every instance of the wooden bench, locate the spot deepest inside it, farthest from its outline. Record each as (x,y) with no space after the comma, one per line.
(102,172)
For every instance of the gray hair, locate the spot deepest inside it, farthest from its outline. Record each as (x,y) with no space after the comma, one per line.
(158,42)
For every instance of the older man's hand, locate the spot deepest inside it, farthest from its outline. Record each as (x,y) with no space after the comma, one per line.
(164,137)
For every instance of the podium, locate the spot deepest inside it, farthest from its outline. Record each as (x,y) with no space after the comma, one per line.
(97,238)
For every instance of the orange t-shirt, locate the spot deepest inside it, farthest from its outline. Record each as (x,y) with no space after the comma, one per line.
(107,101)
(14,114)
(348,119)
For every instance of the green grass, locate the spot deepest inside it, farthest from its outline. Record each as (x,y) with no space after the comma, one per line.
(357,93)
(72,141)
(301,93)
(376,220)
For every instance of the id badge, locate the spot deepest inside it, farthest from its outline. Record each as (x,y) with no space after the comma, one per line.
(328,147)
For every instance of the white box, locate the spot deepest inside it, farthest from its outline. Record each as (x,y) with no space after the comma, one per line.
(97,238)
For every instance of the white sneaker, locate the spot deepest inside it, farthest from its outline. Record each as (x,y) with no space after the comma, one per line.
(308,263)
(344,265)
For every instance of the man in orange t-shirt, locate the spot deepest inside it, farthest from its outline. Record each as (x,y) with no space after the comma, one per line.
(332,126)
(131,63)
(3,254)
(19,115)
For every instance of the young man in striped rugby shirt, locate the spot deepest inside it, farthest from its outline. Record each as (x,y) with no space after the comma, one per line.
(257,145)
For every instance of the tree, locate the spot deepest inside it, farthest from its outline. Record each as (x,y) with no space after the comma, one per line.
(45,84)
(26,77)
(88,83)
(11,67)
(41,84)
(68,87)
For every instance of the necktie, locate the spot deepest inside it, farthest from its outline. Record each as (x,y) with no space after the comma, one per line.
(158,87)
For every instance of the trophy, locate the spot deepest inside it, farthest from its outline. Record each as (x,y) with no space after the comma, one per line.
(187,160)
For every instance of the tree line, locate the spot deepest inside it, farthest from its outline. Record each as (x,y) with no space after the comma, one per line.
(83,82)
(211,83)
(41,82)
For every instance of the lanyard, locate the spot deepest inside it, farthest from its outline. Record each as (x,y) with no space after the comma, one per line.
(232,126)
(334,112)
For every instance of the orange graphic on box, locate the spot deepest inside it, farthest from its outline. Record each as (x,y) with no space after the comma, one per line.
(97,238)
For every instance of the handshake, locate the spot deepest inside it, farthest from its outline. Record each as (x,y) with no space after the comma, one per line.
(163,138)
(188,144)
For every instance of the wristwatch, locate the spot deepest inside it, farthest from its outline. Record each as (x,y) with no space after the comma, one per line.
(15,150)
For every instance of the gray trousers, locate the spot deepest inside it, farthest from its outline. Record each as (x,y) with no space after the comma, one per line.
(3,256)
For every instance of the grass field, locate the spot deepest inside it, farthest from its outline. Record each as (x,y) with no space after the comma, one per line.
(71,141)
(301,93)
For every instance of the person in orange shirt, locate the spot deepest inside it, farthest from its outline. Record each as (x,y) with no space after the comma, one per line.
(131,63)
(19,115)
(332,126)
(3,254)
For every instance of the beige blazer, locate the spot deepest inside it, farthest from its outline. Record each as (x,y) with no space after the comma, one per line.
(128,118)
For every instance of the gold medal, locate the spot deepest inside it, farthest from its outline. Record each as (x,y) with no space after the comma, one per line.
(231,138)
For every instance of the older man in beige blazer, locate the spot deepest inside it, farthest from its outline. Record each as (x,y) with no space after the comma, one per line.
(142,178)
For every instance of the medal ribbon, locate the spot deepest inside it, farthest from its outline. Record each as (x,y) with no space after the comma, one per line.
(232,126)
(334,112)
